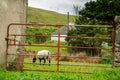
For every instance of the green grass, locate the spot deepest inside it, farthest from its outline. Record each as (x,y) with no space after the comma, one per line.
(44,16)
(82,68)
(98,73)
(112,74)
(66,66)
(51,49)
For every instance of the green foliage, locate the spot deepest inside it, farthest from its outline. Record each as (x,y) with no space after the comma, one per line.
(94,12)
(40,39)
(38,31)
(2,74)
(82,31)
(98,10)
(106,60)
(112,74)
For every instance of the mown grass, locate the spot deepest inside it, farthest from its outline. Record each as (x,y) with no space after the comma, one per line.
(51,49)
(83,68)
(112,74)
(66,66)
(97,72)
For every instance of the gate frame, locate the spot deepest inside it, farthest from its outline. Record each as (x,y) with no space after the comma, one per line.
(58,46)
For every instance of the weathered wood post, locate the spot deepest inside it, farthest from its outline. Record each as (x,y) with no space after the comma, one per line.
(117,42)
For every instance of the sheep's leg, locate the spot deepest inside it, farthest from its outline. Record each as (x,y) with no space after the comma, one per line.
(49,60)
(40,60)
(44,60)
(34,59)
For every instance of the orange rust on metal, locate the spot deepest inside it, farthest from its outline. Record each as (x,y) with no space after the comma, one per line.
(51,56)
(57,45)
(98,26)
(56,71)
(27,24)
(58,54)
(81,65)
(39,70)
(61,36)
(113,43)
(13,40)
(15,44)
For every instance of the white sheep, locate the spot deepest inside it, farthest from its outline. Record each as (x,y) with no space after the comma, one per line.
(42,55)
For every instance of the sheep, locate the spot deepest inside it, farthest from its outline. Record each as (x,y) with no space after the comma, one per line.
(42,55)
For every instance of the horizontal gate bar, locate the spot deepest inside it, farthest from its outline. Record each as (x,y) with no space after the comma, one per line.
(81,65)
(56,71)
(102,26)
(56,46)
(40,24)
(62,36)
(55,56)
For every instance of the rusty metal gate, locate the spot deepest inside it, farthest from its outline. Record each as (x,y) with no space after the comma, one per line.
(60,63)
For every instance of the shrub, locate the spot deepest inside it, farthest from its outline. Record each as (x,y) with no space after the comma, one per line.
(106,60)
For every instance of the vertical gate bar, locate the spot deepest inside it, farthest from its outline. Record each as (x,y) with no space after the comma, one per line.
(6,51)
(113,44)
(58,53)
(15,43)
(7,39)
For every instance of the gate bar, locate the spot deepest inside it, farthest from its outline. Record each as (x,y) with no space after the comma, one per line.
(100,66)
(58,46)
(58,55)
(62,36)
(113,44)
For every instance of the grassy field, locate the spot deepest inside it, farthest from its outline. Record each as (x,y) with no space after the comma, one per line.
(66,66)
(112,74)
(51,49)
(44,16)
(96,73)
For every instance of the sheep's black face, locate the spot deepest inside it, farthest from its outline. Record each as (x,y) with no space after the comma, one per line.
(34,59)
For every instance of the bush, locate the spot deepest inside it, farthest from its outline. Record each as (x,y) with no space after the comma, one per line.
(106,60)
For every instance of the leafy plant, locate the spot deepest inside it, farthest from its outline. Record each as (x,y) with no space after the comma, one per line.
(106,60)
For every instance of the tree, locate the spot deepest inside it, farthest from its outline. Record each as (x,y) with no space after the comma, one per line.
(81,31)
(101,10)
(94,12)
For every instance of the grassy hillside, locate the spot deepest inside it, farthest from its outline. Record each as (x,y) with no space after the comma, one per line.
(44,16)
